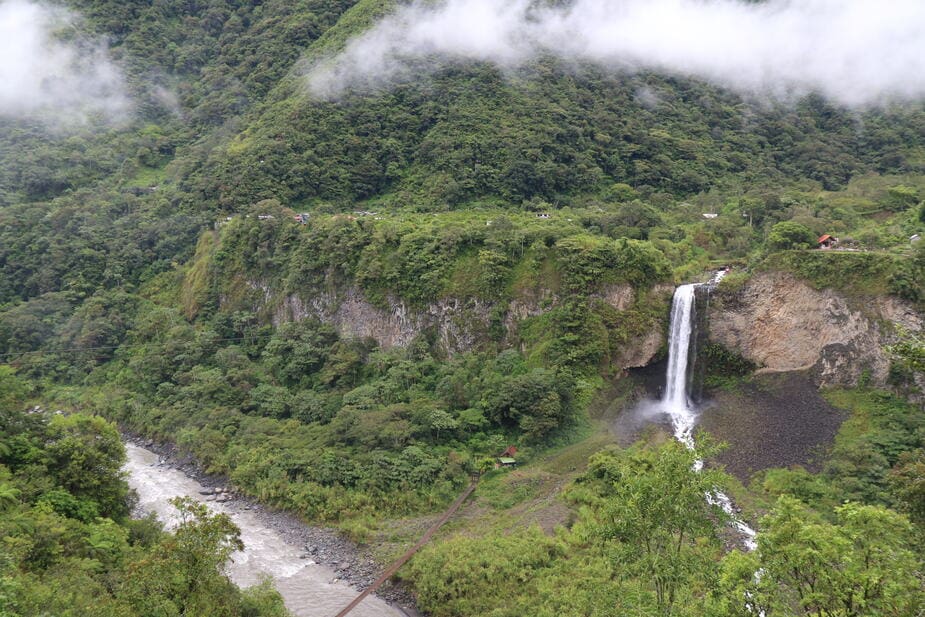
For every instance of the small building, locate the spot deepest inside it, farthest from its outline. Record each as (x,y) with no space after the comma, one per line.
(710,215)
(301,218)
(827,241)
(914,238)
(543,215)
(507,457)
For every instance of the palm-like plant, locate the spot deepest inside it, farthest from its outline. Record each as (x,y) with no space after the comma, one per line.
(9,495)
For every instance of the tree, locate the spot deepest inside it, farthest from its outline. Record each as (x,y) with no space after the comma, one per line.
(298,350)
(653,515)
(860,565)
(9,495)
(183,576)
(86,456)
(440,420)
(494,269)
(13,390)
(907,479)
(900,197)
(788,235)
(537,402)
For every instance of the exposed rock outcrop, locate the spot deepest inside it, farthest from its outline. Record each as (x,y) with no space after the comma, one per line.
(640,351)
(782,324)
(458,324)
(393,326)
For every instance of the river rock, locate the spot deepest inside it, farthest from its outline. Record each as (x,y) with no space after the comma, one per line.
(276,555)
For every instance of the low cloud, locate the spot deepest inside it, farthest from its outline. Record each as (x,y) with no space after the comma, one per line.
(857,53)
(51,71)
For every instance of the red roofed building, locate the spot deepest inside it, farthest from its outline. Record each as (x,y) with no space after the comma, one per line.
(826,241)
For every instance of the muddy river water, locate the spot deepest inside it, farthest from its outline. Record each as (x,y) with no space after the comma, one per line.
(309,589)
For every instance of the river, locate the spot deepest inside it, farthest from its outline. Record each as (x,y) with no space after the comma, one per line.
(309,589)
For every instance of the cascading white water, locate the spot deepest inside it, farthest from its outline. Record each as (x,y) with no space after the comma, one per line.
(676,400)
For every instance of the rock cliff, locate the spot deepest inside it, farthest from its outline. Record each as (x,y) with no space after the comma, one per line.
(458,324)
(782,324)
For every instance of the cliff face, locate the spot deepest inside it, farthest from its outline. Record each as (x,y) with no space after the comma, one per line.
(774,320)
(781,324)
(459,324)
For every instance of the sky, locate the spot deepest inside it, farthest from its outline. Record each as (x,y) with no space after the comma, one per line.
(857,53)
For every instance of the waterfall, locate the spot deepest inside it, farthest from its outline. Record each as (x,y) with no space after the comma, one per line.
(676,400)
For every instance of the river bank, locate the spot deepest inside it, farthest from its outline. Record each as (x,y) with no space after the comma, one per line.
(316,570)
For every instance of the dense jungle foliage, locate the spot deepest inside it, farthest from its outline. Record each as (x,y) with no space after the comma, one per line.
(152,273)
(68,545)
(645,543)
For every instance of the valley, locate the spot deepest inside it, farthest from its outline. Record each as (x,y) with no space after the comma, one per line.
(340,257)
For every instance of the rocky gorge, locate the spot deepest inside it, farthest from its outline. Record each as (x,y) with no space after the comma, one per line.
(774,320)
(461,324)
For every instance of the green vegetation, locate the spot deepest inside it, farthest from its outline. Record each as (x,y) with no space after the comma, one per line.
(790,235)
(864,274)
(68,547)
(337,427)
(645,544)
(722,366)
(333,428)
(857,564)
(518,230)
(908,361)
(874,450)
(881,428)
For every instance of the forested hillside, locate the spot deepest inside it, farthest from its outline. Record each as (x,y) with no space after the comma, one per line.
(69,546)
(221,121)
(486,253)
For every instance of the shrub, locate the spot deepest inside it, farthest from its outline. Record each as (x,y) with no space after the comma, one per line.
(788,235)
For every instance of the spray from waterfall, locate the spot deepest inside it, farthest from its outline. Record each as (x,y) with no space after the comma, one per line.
(676,401)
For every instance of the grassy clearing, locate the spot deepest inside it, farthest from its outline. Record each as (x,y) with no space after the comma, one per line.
(506,500)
